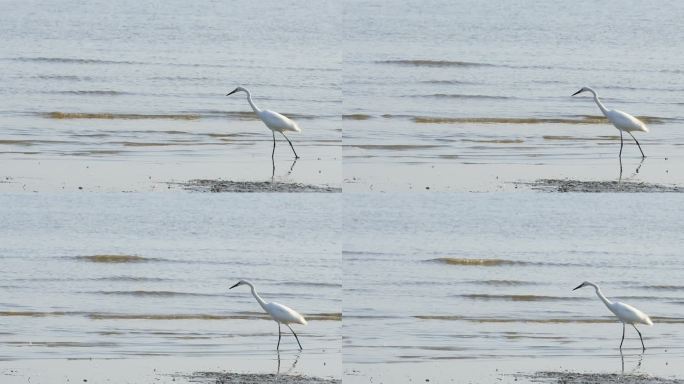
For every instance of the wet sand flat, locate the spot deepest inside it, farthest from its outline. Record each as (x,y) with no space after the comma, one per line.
(252,378)
(246,186)
(597,378)
(567,185)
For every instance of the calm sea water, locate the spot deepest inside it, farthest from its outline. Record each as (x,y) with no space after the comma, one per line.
(458,286)
(470,95)
(127,84)
(115,276)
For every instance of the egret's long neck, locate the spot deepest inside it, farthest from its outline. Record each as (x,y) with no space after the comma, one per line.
(257,297)
(599,103)
(605,300)
(256,110)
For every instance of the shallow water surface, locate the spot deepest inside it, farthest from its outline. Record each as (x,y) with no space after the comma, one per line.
(137,92)
(475,96)
(120,276)
(479,287)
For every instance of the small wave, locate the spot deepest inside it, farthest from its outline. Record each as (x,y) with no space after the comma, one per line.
(112,116)
(93,152)
(200,316)
(356,116)
(393,147)
(311,284)
(59,344)
(150,144)
(69,60)
(153,293)
(435,63)
(582,119)
(130,278)
(115,259)
(496,141)
(519,297)
(574,138)
(460,96)
(668,320)
(448,82)
(477,262)
(63,77)
(93,93)
(35,313)
(505,283)
(664,287)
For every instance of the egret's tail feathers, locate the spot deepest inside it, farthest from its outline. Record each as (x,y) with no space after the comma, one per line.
(303,321)
(648,321)
(297,129)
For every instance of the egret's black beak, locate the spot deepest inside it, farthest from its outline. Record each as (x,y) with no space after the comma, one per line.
(235,90)
(579,286)
(236,284)
(570,95)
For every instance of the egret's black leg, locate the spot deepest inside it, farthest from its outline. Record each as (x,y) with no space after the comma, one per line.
(288,140)
(643,348)
(623,336)
(638,145)
(620,155)
(295,335)
(278,347)
(273,153)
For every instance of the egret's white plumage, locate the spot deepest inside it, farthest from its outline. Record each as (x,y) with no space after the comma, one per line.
(273,120)
(625,312)
(280,313)
(623,121)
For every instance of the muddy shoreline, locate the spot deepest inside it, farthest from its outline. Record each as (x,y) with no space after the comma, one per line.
(596,378)
(254,378)
(570,185)
(218,186)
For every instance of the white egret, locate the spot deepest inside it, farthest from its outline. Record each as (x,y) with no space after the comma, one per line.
(280,313)
(273,120)
(626,313)
(623,121)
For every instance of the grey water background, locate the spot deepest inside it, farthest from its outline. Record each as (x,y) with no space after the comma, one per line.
(469,95)
(479,286)
(146,276)
(136,90)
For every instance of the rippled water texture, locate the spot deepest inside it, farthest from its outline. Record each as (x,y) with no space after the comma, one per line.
(475,96)
(126,95)
(479,287)
(120,276)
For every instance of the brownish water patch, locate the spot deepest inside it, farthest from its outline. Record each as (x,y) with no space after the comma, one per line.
(666,320)
(434,63)
(356,116)
(475,262)
(114,259)
(582,119)
(496,141)
(519,297)
(112,116)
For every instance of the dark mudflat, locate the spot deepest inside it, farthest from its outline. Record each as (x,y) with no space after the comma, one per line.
(252,186)
(597,378)
(569,185)
(253,378)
